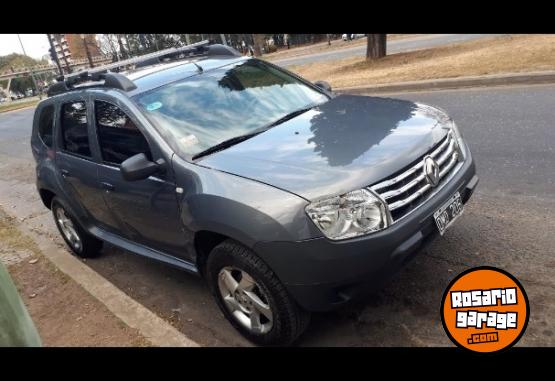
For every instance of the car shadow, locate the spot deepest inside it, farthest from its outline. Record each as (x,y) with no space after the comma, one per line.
(181,298)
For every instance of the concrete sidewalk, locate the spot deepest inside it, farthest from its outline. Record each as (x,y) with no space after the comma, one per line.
(528,78)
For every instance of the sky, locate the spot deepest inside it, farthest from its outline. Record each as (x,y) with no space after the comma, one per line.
(36,45)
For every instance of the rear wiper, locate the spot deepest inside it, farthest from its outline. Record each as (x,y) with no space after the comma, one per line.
(227,143)
(291,115)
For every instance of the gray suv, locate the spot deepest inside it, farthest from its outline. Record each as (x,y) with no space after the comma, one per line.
(284,196)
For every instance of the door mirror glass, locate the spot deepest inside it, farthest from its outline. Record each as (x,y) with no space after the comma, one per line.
(323,85)
(138,167)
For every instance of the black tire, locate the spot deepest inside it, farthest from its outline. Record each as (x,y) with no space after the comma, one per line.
(89,246)
(289,320)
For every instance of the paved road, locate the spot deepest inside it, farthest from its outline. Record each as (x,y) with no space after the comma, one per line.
(394,46)
(15,128)
(508,224)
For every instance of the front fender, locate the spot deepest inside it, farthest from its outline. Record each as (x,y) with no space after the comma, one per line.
(243,221)
(240,208)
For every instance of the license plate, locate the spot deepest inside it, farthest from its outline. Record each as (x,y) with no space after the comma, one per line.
(448,213)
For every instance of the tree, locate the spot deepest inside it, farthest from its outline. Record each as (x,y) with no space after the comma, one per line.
(376,46)
(15,62)
(259,41)
(122,49)
(109,45)
(130,45)
(21,85)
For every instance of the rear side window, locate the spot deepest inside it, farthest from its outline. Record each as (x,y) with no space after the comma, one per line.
(46,121)
(75,138)
(118,136)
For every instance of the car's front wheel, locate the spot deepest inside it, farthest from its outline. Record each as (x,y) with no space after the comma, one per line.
(79,241)
(251,296)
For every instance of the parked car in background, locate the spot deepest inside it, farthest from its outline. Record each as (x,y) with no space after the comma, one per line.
(348,37)
(285,197)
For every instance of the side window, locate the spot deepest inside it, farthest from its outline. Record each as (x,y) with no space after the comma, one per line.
(46,121)
(118,136)
(74,129)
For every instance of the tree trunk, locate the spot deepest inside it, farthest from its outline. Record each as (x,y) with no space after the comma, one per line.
(88,52)
(258,44)
(376,46)
(121,48)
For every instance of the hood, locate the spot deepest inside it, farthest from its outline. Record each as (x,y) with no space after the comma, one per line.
(347,143)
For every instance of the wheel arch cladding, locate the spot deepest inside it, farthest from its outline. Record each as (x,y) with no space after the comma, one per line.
(204,242)
(46,196)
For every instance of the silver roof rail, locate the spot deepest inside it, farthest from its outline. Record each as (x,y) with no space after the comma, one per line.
(115,80)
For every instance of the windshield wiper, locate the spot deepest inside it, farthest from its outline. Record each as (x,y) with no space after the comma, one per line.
(227,143)
(289,116)
(238,139)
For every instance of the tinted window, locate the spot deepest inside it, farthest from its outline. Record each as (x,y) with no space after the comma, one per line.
(208,108)
(118,136)
(46,121)
(74,128)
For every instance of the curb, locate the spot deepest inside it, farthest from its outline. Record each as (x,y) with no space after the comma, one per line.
(156,330)
(153,328)
(455,83)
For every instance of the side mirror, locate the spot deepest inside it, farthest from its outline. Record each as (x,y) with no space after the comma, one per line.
(138,167)
(323,85)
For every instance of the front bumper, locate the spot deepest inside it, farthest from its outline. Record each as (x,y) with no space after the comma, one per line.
(322,274)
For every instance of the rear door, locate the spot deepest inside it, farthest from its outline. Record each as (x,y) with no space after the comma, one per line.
(147,210)
(76,164)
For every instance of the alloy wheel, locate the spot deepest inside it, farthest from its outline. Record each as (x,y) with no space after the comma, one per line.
(68,229)
(245,300)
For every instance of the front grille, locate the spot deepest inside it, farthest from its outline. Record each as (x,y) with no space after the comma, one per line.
(409,188)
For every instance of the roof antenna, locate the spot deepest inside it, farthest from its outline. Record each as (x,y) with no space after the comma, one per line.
(200,70)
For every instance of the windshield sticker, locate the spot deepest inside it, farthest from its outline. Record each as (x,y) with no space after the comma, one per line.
(153,106)
(189,140)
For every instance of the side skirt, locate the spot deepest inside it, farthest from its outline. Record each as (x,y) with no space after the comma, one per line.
(143,250)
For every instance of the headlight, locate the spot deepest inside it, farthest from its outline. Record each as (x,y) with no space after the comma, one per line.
(350,215)
(458,136)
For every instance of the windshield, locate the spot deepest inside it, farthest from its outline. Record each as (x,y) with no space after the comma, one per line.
(204,110)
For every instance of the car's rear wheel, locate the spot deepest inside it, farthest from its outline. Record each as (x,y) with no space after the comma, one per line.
(79,241)
(251,296)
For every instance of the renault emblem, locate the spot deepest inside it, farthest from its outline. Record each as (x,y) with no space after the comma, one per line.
(431,171)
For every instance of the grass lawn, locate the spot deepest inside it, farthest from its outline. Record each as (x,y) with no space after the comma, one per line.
(495,55)
(10,106)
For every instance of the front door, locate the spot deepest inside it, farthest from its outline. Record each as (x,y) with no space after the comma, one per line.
(146,210)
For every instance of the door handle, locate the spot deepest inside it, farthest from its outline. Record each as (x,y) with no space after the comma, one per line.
(107,186)
(65,172)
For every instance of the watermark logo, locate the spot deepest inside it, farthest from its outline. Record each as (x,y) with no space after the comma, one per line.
(485,310)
